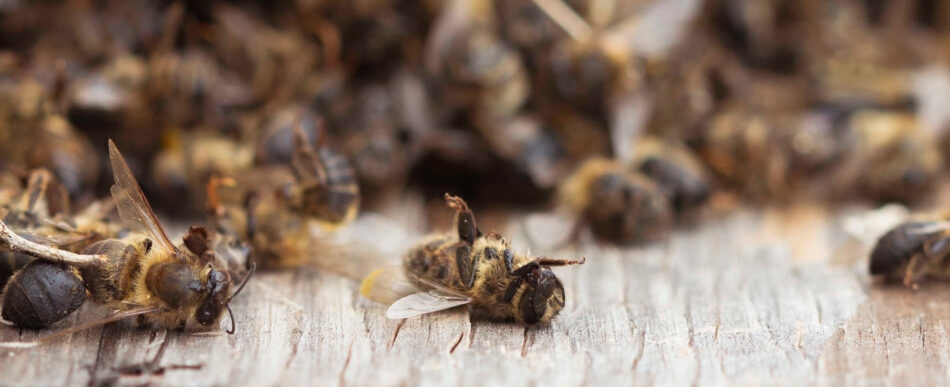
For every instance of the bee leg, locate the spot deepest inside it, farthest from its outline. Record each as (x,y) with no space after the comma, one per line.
(545,261)
(537,263)
(464,219)
(513,288)
(525,269)
(933,250)
(914,271)
(466,264)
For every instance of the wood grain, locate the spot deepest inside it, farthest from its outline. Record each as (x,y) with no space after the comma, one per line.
(756,297)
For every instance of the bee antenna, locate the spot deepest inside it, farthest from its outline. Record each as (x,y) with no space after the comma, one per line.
(231,315)
(243,282)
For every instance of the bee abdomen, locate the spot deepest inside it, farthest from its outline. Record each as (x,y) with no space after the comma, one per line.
(111,281)
(41,294)
(337,199)
(434,261)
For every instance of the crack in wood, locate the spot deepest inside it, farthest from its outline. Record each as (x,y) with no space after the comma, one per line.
(524,343)
(153,364)
(457,342)
(295,337)
(94,369)
(396,333)
(643,341)
(346,363)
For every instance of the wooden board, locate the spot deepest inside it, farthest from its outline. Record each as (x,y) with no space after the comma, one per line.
(755,297)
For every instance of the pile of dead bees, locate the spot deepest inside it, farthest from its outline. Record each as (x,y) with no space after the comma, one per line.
(674,100)
(628,115)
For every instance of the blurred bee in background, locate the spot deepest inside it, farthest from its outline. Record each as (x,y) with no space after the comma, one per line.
(619,203)
(892,158)
(189,159)
(40,212)
(677,172)
(479,71)
(613,196)
(33,135)
(380,142)
(273,207)
(467,267)
(606,51)
(276,64)
(743,149)
(142,275)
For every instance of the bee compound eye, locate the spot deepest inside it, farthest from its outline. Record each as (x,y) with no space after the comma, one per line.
(218,277)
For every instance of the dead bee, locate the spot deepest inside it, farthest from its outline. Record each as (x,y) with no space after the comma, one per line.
(891,158)
(602,54)
(373,133)
(674,168)
(271,207)
(188,159)
(40,213)
(481,73)
(140,275)
(32,135)
(468,267)
(617,201)
(616,198)
(743,148)
(911,251)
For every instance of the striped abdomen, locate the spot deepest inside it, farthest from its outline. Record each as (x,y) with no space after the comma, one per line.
(434,260)
(334,195)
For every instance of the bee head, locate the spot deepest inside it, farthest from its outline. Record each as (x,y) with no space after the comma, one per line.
(543,297)
(217,294)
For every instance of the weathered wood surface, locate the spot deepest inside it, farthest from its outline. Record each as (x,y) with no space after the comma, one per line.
(757,297)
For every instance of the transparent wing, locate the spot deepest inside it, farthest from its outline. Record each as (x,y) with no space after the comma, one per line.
(53,240)
(387,285)
(119,315)
(133,208)
(370,242)
(655,30)
(628,114)
(424,302)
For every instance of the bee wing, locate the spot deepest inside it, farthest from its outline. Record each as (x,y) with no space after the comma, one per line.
(133,208)
(628,114)
(655,30)
(53,240)
(119,315)
(387,285)
(370,242)
(424,302)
